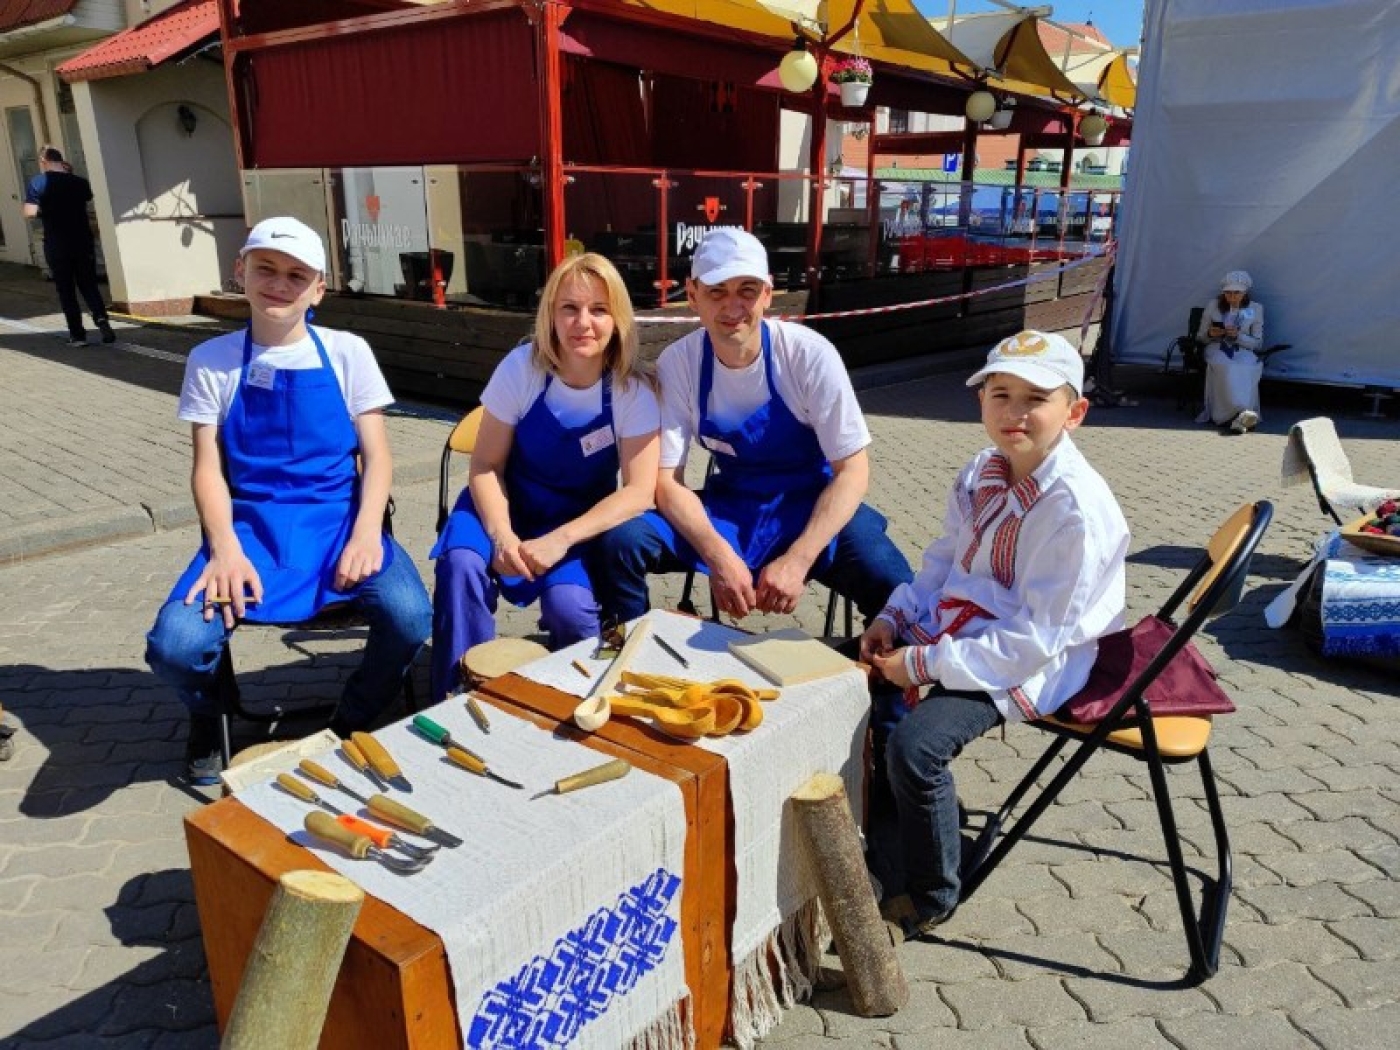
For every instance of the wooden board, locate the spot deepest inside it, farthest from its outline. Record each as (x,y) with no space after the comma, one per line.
(708,897)
(790,657)
(394,991)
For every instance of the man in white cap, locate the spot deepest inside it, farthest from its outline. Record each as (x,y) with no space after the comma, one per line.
(1001,623)
(772,404)
(281,413)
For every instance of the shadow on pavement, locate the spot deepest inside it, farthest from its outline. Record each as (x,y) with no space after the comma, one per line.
(165,998)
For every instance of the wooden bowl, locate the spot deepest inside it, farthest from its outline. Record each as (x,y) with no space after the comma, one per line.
(1387,546)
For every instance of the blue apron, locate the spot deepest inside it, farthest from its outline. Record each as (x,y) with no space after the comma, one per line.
(289,456)
(549,480)
(769,473)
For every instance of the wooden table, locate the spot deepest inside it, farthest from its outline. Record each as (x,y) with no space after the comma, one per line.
(394,989)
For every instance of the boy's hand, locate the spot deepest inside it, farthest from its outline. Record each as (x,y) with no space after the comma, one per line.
(544,552)
(781,583)
(733,585)
(361,559)
(891,667)
(877,640)
(229,584)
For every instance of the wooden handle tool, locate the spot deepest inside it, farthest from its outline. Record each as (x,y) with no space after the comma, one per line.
(322,775)
(356,758)
(474,763)
(401,816)
(382,762)
(614,770)
(361,847)
(294,787)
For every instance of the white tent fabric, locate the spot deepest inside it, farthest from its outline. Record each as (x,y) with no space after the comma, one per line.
(1266,138)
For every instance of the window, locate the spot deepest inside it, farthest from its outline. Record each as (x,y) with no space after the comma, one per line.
(899,122)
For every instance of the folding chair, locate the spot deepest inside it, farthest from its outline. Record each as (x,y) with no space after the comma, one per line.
(687,602)
(461,440)
(336,618)
(1313,443)
(1212,588)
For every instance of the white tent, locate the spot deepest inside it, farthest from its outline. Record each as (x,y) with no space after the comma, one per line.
(1267,138)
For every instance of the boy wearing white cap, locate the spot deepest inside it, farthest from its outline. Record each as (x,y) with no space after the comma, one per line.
(1003,618)
(774,407)
(280,414)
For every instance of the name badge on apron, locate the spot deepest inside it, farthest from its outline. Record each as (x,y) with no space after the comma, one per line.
(718,445)
(262,375)
(597,440)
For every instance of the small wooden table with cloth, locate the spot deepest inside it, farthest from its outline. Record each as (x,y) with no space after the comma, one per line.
(1360,599)
(776,935)
(560,916)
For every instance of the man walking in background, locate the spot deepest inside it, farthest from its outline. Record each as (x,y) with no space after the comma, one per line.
(59,198)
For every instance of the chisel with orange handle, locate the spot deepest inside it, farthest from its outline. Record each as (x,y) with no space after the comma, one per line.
(391,812)
(359,846)
(352,754)
(380,760)
(384,837)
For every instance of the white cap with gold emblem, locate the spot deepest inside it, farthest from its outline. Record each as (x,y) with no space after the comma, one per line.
(1042,359)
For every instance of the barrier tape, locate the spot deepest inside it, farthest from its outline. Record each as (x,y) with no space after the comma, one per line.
(1044,275)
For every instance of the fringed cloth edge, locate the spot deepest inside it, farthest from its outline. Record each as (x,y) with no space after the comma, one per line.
(778,974)
(673,1030)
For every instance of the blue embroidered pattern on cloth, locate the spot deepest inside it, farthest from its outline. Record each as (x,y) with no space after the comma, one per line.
(1360,602)
(549,1001)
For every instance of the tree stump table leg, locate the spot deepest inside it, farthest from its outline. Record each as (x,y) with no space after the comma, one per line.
(873,973)
(286,987)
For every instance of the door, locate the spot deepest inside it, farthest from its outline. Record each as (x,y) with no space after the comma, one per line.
(24,157)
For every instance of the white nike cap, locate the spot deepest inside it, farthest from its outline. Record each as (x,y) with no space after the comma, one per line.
(282,233)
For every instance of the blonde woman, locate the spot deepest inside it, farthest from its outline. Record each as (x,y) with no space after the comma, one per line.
(564,414)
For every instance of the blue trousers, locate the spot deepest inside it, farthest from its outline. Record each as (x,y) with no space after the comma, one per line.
(464,613)
(915,841)
(866,566)
(183,649)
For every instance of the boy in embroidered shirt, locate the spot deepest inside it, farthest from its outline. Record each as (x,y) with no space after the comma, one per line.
(1001,621)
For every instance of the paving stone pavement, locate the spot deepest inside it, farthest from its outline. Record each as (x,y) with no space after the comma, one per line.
(1068,945)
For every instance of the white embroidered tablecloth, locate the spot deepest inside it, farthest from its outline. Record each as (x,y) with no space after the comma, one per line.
(1360,607)
(817,727)
(559,915)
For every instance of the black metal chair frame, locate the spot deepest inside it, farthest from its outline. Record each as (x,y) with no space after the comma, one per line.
(1205,928)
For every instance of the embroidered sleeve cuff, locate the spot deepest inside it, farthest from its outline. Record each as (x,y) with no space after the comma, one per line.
(918,663)
(892,616)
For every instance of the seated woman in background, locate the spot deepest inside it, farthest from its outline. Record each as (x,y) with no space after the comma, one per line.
(563,413)
(1232,328)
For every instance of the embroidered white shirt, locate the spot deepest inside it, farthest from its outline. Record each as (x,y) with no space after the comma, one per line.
(1044,559)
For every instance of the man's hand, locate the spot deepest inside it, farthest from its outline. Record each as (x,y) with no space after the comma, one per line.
(229,584)
(733,586)
(891,667)
(544,552)
(361,559)
(877,640)
(780,584)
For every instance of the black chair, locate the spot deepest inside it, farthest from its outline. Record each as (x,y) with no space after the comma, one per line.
(333,619)
(1212,588)
(687,602)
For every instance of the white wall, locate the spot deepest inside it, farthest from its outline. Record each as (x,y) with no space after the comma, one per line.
(168,205)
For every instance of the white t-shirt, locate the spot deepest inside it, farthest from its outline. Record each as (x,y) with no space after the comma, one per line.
(516,383)
(807,373)
(211,372)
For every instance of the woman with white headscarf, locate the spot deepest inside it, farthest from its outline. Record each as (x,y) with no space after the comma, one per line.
(1232,328)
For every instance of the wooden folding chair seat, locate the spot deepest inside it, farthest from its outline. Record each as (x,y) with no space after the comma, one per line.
(1212,588)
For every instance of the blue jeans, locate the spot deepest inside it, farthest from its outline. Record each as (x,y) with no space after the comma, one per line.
(915,841)
(184,650)
(866,566)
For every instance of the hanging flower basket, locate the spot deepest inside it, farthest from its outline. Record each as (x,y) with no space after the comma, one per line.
(854,75)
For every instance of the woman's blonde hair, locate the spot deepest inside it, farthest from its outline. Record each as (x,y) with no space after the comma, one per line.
(620,355)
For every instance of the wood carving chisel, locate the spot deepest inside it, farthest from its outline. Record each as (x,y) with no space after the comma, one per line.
(474,763)
(360,846)
(294,787)
(356,758)
(383,837)
(613,770)
(319,773)
(380,760)
(386,809)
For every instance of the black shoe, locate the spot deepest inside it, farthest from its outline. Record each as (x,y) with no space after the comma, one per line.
(77,340)
(204,754)
(108,336)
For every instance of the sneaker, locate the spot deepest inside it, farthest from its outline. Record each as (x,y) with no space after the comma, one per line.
(1243,422)
(108,336)
(204,755)
(77,340)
